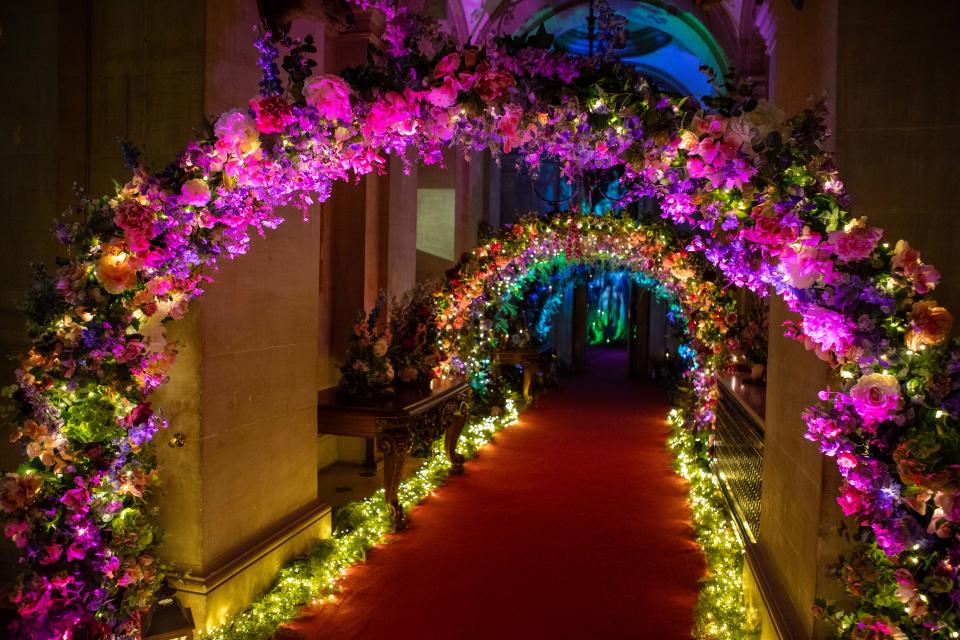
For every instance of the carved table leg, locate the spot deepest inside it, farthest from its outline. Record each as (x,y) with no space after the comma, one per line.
(527,380)
(394,445)
(454,429)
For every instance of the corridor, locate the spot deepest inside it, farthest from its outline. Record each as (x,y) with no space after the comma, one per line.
(570,525)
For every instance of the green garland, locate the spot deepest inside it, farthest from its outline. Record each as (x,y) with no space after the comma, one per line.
(722,611)
(360,526)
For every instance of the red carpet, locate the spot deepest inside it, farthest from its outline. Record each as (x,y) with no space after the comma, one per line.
(571,525)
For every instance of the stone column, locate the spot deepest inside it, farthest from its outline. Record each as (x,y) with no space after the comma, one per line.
(638,332)
(240,497)
(579,325)
(796,541)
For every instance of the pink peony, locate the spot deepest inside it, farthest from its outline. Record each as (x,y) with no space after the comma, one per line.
(856,244)
(137,223)
(802,267)
(444,95)
(195,192)
(392,113)
(876,396)
(828,329)
(447,65)
(330,96)
(272,114)
(847,460)
(236,133)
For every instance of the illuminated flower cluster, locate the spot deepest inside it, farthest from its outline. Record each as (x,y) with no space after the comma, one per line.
(763,200)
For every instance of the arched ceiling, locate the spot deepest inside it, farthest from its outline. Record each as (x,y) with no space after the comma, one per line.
(668,40)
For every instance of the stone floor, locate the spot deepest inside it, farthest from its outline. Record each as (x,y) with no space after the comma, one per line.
(342,482)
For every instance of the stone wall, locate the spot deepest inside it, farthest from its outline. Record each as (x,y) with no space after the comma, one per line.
(887,73)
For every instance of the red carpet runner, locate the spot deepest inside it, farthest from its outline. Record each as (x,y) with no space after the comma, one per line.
(571,525)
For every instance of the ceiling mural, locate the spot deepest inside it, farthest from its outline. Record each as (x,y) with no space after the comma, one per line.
(666,41)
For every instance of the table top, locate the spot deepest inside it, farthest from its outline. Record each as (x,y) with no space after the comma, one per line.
(751,396)
(405,402)
(513,356)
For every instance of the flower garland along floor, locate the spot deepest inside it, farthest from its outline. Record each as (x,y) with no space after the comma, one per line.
(721,610)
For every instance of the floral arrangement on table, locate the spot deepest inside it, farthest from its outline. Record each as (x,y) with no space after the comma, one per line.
(368,373)
(415,353)
(749,340)
(764,203)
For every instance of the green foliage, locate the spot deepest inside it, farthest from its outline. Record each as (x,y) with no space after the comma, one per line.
(91,418)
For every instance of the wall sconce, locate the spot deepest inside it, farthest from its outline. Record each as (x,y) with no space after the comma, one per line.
(168,619)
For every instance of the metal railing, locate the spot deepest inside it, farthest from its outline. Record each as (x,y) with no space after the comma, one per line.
(738,461)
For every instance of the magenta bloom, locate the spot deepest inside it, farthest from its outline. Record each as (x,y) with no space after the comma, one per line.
(272,114)
(195,192)
(444,95)
(137,223)
(876,396)
(330,96)
(856,244)
(828,329)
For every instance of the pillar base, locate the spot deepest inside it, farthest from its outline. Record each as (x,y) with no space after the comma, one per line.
(228,589)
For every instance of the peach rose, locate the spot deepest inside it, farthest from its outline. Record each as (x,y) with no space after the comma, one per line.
(929,324)
(236,132)
(116,269)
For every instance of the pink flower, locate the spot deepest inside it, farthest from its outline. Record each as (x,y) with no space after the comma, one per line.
(847,460)
(17,530)
(906,260)
(76,552)
(876,396)
(509,127)
(441,124)
(272,114)
(76,499)
(949,504)
(236,133)
(908,584)
(330,96)
(850,500)
(392,113)
(447,65)
(52,553)
(195,192)
(137,223)
(828,329)
(802,266)
(445,95)
(856,244)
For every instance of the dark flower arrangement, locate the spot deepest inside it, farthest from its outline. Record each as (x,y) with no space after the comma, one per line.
(368,374)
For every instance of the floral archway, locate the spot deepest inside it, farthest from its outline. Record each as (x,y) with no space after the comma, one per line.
(763,202)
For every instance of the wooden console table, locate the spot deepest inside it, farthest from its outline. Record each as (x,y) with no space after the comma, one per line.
(396,424)
(529,360)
